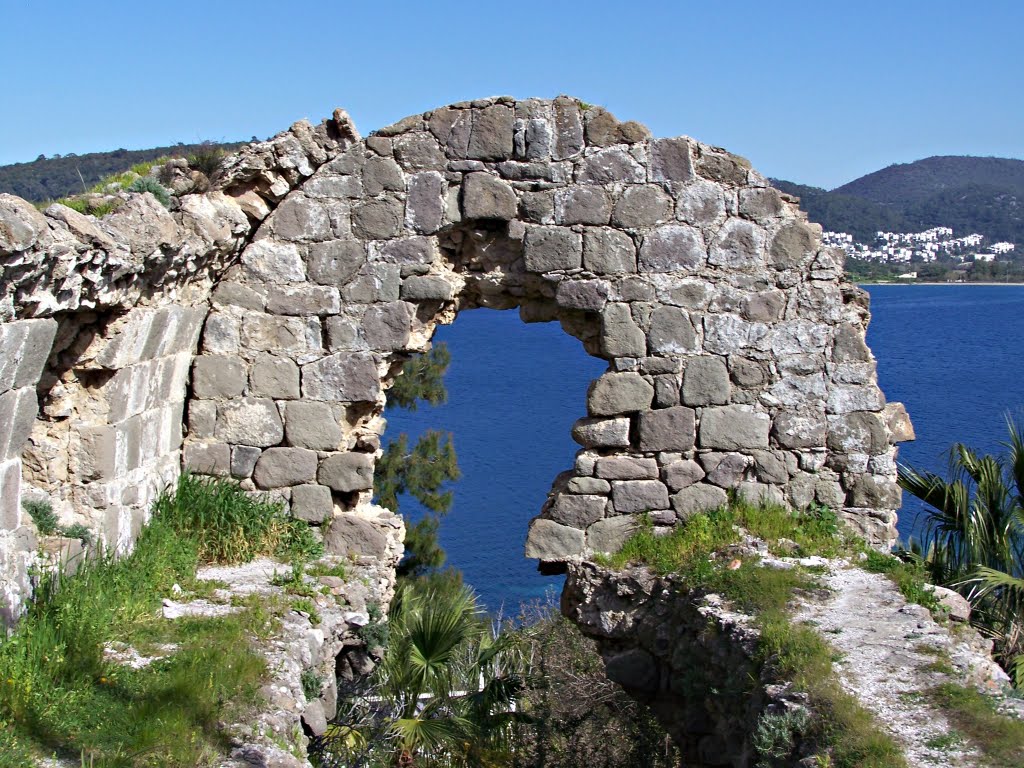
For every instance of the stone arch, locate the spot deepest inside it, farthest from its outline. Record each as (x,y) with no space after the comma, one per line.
(736,354)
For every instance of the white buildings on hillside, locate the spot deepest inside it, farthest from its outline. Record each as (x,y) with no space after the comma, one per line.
(918,247)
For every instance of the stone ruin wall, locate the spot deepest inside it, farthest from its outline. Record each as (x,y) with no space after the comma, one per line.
(736,353)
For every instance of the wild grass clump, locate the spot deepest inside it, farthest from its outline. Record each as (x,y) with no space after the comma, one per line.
(207,160)
(1000,738)
(909,575)
(154,187)
(42,514)
(228,525)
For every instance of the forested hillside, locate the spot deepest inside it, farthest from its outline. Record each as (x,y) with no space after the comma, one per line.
(50,178)
(969,194)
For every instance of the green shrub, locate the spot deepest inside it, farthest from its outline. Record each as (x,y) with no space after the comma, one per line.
(80,532)
(154,187)
(311,684)
(42,514)
(207,160)
(228,525)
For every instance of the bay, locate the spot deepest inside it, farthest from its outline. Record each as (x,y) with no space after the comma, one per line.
(951,354)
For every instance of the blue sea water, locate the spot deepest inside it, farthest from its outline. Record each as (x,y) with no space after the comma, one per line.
(950,353)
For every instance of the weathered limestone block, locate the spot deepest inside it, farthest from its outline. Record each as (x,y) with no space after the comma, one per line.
(552,248)
(218,376)
(607,251)
(272,261)
(858,432)
(312,425)
(732,427)
(698,498)
(620,335)
(671,332)
(577,511)
(601,433)
(608,166)
(588,486)
(487,197)
(798,430)
(18,409)
(208,458)
(626,468)
(550,541)
(312,503)
(251,421)
(345,376)
(609,535)
(705,382)
(352,536)
(673,248)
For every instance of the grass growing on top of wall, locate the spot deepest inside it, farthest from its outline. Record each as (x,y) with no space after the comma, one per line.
(792,652)
(59,691)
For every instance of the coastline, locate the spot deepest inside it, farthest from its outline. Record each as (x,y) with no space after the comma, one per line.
(917,282)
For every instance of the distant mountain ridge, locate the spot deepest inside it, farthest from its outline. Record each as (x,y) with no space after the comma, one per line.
(969,194)
(50,178)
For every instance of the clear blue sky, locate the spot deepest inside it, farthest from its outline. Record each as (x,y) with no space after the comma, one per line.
(817,92)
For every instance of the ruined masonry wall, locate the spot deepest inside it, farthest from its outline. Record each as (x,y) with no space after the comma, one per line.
(99,321)
(318,263)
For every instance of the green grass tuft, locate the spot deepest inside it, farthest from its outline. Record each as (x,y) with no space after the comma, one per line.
(1000,738)
(911,578)
(42,514)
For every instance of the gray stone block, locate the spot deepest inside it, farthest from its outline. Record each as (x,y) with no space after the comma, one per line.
(18,410)
(243,460)
(95,453)
(350,536)
(387,327)
(424,205)
(312,503)
(202,418)
(799,430)
(377,219)
(739,245)
(585,295)
(10,494)
(32,352)
(273,261)
(375,282)
(726,470)
(671,332)
(633,496)
(487,197)
(620,334)
(609,535)
(608,251)
(608,166)
(601,433)
(313,425)
(417,152)
(382,174)
(303,300)
(427,288)
(731,427)
(218,376)
(698,498)
(490,137)
(667,429)
(281,467)
(793,246)
(222,334)
(618,393)
(296,336)
(347,472)
(705,381)
(626,468)
(552,248)
(276,377)
(335,262)
(682,474)
(208,458)
(642,206)
(848,398)
(858,432)
(298,218)
(249,421)
(582,205)
(549,541)
(673,248)
(588,486)
(345,376)
(671,160)
(577,511)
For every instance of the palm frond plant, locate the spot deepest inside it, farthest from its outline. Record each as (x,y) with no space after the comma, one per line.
(974,538)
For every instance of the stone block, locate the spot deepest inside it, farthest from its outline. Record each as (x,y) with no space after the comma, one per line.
(427,288)
(857,432)
(897,420)
(382,174)
(335,262)
(272,261)
(666,391)
(490,136)
(608,166)
(375,282)
(10,494)
(582,205)
(618,393)
(388,327)
(739,245)
(793,246)
(673,248)
(608,251)
(726,470)
(222,334)
(249,421)
(345,376)
(350,536)
(208,458)
(273,376)
(577,511)
(424,205)
(487,197)
(770,467)
(95,453)
(601,433)
(296,336)
(378,219)
(588,486)
(549,541)
(25,346)
(347,472)
(281,467)
(300,218)
(633,496)
(667,429)
(798,430)
(18,408)
(727,334)
(626,468)
(202,418)
(408,251)
(671,160)
(642,206)
(609,535)
(682,474)
(585,295)
(731,427)
(417,152)
(304,299)
(698,498)
(671,332)
(552,248)
(312,425)
(218,377)
(847,398)
(705,381)
(620,334)
(243,460)
(312,503)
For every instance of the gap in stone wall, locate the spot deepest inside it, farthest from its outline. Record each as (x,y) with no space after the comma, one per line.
(514,392)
